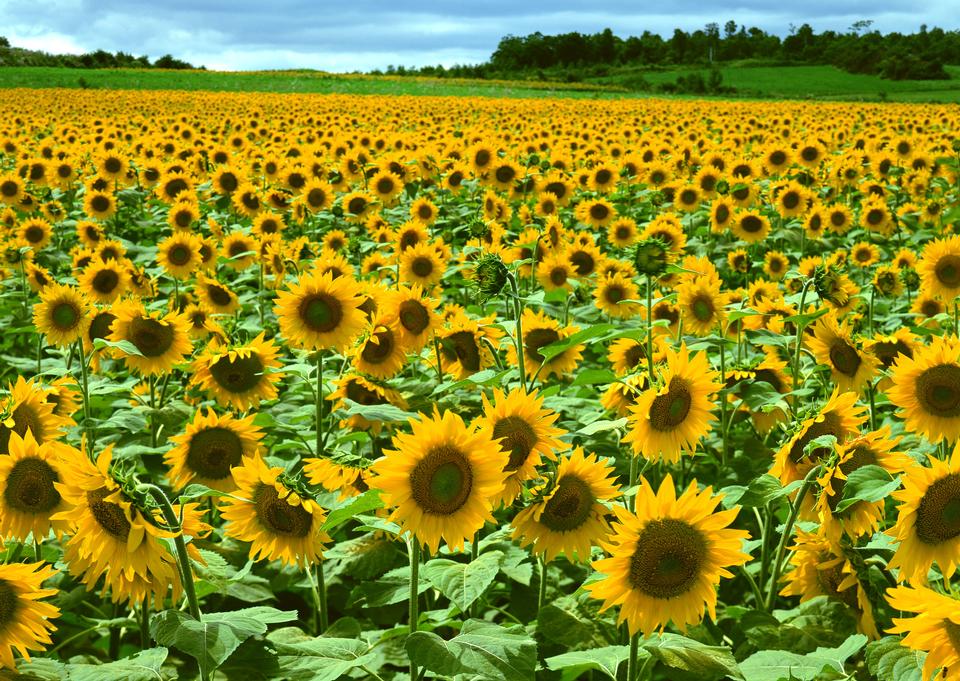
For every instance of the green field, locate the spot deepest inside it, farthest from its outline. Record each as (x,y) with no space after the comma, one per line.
(780,82)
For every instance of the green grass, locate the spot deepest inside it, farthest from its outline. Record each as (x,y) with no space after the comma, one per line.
(807,82)
(286,81)
(751,81)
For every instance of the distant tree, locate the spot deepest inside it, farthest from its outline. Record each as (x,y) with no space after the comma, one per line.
(4,42)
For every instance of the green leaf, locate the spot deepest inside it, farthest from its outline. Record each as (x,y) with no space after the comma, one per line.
(566,622)
(758,395)
(124,346)
(890,660)
(213,638)
(393,587)
(548,352)
(758,493)
(602,425)
(303,658)
(482,650)
(685,654)
(378,412)
(144,666)
(868,483)
(463,583)
(774,665)
(368,501)
(604,660)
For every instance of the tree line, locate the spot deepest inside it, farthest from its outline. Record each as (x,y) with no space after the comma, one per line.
(99,59)
(895,56)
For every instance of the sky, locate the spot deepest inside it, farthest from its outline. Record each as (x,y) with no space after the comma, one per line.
(361,35)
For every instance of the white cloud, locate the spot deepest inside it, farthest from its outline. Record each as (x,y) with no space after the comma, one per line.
(54,43)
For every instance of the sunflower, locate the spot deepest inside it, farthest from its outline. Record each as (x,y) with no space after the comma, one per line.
(612,294)
(851,368)
(239,250)
(441,479)
(623,232)
(347,476)
(862,518)
(819,567)
(63,314)
(463,351)
(209,448)
(775,265)
(568,517)
(555,271)
(104,280)
(628,355)
(669,230)
(226,180)
(216,297)
(99,204)
(417,314)
(321,312)
(672,418)
(179,254)
(35,233)
(28,474)
(770,370)
(12,189)
(595,212)
(64,394)
(381,353)
(161,342)
(928,524)
(864,254)
(702,306)
(239,377)
(934,630)
(357,205)
(750,226)
(875,217)
(421,264)
(926,388)
(182,215)
(279,523)
(666,560)
(888,348)
(27,409)
(111,538)
(840,417)
(721,214)
(363,391)
(24,620)
(539,330)
(939,268)
(524,429)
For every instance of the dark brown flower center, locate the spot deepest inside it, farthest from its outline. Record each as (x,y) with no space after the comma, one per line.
(538,338)
(947,271)
(569,507)
(151,337)
(212,452)
(516,437)
(108,514)
(830,425)
(65,315)
(441,482)
(670,409)
(320,312)
(422,266)
(414,317)
(378,348)
(845,358)
(462,345)
(105,281)
(278,516)
(668,559)
(240,375)
(29,486)
(938,390)
(938,514)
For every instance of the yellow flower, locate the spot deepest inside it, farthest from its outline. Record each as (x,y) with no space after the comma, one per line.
(24,621)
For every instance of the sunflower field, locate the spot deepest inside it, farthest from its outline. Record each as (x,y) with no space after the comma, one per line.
(316,387)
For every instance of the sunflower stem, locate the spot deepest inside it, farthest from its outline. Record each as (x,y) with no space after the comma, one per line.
(785,535)
(873,290)
(436,350)
(85,393)
(799,345)
(650,330)
(542,591)
(723,401)
(186,572)
(319,405)
(632,660)
(153,413)
(39,352)
(871,392)
(518,340)
(321,617)
(145,624)
(414,594)
(37,550)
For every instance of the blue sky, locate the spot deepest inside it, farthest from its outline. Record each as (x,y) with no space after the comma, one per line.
(362,34)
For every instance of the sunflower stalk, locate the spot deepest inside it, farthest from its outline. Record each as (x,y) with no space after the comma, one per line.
(650,329)
(632,660)
(786,534)
(542,590)
(518,339)
(183,559)
(795,368)
(88,431)
(414,594)
(319,406)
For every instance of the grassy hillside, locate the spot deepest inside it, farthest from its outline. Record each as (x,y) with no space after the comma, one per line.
(781,82)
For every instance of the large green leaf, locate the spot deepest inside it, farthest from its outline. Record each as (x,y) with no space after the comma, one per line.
(757,493)
(890,660)
(779,665)
(482,650)
(368,501)
(867,483)
(144,666)
(604,660)
(304,658)
(393,587)
(213,638)
(463,583)
(685,654)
